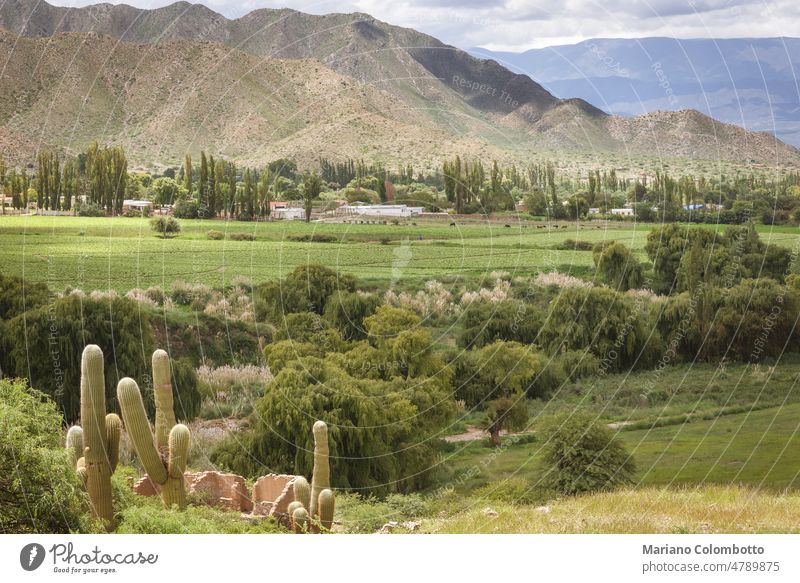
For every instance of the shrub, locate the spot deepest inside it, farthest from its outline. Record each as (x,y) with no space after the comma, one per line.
(573,245)
(149,517)
(39,489)
(582,455)
(513,491)
(165,227)
(242,237)
(215,235)
(186,209)
(88,209)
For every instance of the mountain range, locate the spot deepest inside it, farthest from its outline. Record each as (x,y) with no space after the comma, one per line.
(283,83)
(751,82)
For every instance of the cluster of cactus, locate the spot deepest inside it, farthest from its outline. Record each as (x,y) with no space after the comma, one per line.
(313,506)
(164,458)
(94,445)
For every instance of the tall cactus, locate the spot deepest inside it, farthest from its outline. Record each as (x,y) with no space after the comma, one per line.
(313,506)
(99,436)
(164,458)
(321,478)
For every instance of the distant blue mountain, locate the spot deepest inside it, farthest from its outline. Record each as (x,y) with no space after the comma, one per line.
(750,82)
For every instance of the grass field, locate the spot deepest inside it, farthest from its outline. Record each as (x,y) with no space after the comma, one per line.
(701,510)
(759,449)
(123,253)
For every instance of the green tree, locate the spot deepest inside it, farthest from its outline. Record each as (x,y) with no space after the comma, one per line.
(312,186)
(40,492)
(582,455)
(165,226)
(618,267)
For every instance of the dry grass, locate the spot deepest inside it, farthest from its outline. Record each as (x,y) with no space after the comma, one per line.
(708,509)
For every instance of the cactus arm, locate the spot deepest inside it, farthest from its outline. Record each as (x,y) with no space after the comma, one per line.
(74,443)
(113,431)
(302,491)
(179,439)
(321,478)
(162,391)
(173,492)
(93,419)
(138,428)
(327,502)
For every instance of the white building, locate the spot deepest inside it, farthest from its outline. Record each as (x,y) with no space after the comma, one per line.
(288,213)
(624,212)
(380,210)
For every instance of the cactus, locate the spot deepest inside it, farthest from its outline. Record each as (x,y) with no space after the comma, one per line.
(321,478)
(326,505)
(100,441)
(300,520)
(75,443)
(302,491)
(290,511)
(163,457)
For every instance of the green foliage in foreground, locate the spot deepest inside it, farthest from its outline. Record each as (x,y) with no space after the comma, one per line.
(582,455)
(39,489)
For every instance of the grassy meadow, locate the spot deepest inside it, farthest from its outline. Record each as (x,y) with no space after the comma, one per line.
(123,253)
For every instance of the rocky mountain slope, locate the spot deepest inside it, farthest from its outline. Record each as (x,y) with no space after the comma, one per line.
(751,82)
(283,83)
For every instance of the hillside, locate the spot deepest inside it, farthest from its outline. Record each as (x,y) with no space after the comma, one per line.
(282,83)
(747,81)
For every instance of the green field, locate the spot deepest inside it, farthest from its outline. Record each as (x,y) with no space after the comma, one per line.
(123,253)
(760,449)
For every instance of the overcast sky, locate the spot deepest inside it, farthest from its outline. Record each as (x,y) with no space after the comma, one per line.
(517,25)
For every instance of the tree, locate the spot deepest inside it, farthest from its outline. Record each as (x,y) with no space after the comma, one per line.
(187,174)
(312,186)
(497,378)
(582,455)
(50,359)
(40,492)
(203,186)
(600,320)
(165,227)
(264,193)
(617,266)
(167,191)
(485,322)
(346,311)
(306,289)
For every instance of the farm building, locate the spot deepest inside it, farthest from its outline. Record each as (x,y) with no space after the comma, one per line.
(288,212)
(623,212)
(379,210)
(138,205)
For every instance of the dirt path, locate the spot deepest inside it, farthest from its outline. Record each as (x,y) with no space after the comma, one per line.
(474,433)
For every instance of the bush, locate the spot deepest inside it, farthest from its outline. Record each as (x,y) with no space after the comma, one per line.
(165,227)
(513,491)
(39,489)
(186,209)
(149,517)
(367,515)
(582,455)
(215,235)
(242,237)
(573,245)
(88,209)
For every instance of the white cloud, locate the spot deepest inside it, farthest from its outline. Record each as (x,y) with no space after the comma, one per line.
(523,24)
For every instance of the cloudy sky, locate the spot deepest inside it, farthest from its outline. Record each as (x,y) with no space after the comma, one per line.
(517,25)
